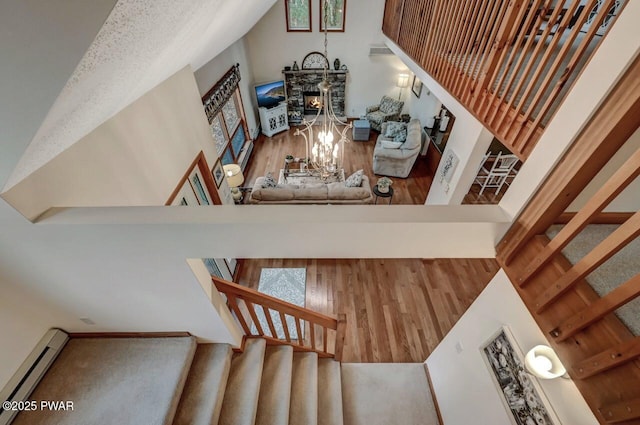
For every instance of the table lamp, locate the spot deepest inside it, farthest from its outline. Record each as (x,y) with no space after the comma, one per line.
(233,172)
(403,81)
(544,363)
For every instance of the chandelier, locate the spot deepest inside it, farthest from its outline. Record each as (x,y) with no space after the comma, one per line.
(325,152)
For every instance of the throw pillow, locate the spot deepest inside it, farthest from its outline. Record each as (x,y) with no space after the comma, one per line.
(393,128)
(355,179)
(391,144)
(401,136)
(269,181)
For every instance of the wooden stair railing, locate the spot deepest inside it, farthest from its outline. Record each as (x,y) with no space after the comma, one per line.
(600,353)
(327,342)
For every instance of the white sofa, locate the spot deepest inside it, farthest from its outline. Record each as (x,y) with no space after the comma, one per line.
(398,162)
(312,193)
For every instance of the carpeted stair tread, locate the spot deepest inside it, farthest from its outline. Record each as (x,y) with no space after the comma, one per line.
(203,393)
(275,390)
(386,394)
(329,393)
(240,402)
(304,390)
(124,381)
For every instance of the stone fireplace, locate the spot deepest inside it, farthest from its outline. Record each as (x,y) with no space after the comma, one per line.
(302,88)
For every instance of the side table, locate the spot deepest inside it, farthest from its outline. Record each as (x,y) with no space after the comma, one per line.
(378,194)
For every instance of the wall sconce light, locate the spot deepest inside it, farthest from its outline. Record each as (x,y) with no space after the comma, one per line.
(543,362)
(403,81)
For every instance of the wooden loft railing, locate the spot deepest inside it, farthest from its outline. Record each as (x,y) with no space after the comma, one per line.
(323,334)
(601,354)
(509,62)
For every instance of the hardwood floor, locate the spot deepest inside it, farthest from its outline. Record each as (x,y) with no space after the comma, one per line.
(269,152)
(398,310)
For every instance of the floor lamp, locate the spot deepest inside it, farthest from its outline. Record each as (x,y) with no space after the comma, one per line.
(403,81)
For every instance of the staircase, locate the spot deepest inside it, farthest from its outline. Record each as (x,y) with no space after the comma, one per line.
(165,381)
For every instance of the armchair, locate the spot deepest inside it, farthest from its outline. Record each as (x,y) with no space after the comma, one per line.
(388,110)
(398,162)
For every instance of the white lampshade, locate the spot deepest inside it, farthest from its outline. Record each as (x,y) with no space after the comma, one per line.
(403,81)
(233,172)
(544,363)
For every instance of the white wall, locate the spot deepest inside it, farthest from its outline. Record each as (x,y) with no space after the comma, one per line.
(271,48)
(462,382)
(629,199)
(24,319)
(212,71)
(138,157)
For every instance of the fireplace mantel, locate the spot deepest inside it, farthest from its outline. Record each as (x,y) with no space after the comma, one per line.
(306,80)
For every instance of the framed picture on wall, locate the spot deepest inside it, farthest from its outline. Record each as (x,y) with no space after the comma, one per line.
(298,15)
(519,391)
(416,87)
(336,14)
(218,173)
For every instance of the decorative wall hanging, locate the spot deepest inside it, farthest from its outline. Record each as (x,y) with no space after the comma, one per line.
(416,87)
(519,391)
(336,13)
(298,15)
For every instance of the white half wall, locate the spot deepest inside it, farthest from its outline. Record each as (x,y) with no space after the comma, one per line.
(271,48)
(462,382)
(212,71)
(138,157)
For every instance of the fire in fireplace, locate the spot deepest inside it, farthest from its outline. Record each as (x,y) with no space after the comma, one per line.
(312,102)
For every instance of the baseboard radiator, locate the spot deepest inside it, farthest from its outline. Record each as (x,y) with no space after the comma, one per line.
(247,153)
(24,381)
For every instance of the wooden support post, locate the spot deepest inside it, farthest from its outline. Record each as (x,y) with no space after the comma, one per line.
(622,411)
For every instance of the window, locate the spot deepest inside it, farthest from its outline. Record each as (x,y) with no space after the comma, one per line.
(298,14)
(228,130)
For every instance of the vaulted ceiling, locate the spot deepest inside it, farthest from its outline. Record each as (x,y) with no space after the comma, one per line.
(117,51)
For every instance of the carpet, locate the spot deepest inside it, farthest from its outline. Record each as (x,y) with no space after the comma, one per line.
(614,272)
(287,284)
(387,394)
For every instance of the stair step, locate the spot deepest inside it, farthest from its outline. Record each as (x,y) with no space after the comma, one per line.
(275,391)
(329,393)
(304,390)
(386,393)
(243,386)
(201,400)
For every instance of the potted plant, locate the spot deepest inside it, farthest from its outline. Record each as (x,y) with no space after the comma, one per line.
(288,159)
(384,183)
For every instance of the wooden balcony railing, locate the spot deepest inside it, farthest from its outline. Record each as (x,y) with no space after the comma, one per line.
(315,332)
(600,352)
(509,62)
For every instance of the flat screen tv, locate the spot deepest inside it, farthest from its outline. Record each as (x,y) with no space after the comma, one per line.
(270,94)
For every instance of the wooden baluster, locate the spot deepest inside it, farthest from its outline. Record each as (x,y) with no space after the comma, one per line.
(254,317)
(312,334)
(601,253)
(300,341)
(285,327)
(324,339)
(234,306)
(272,328)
